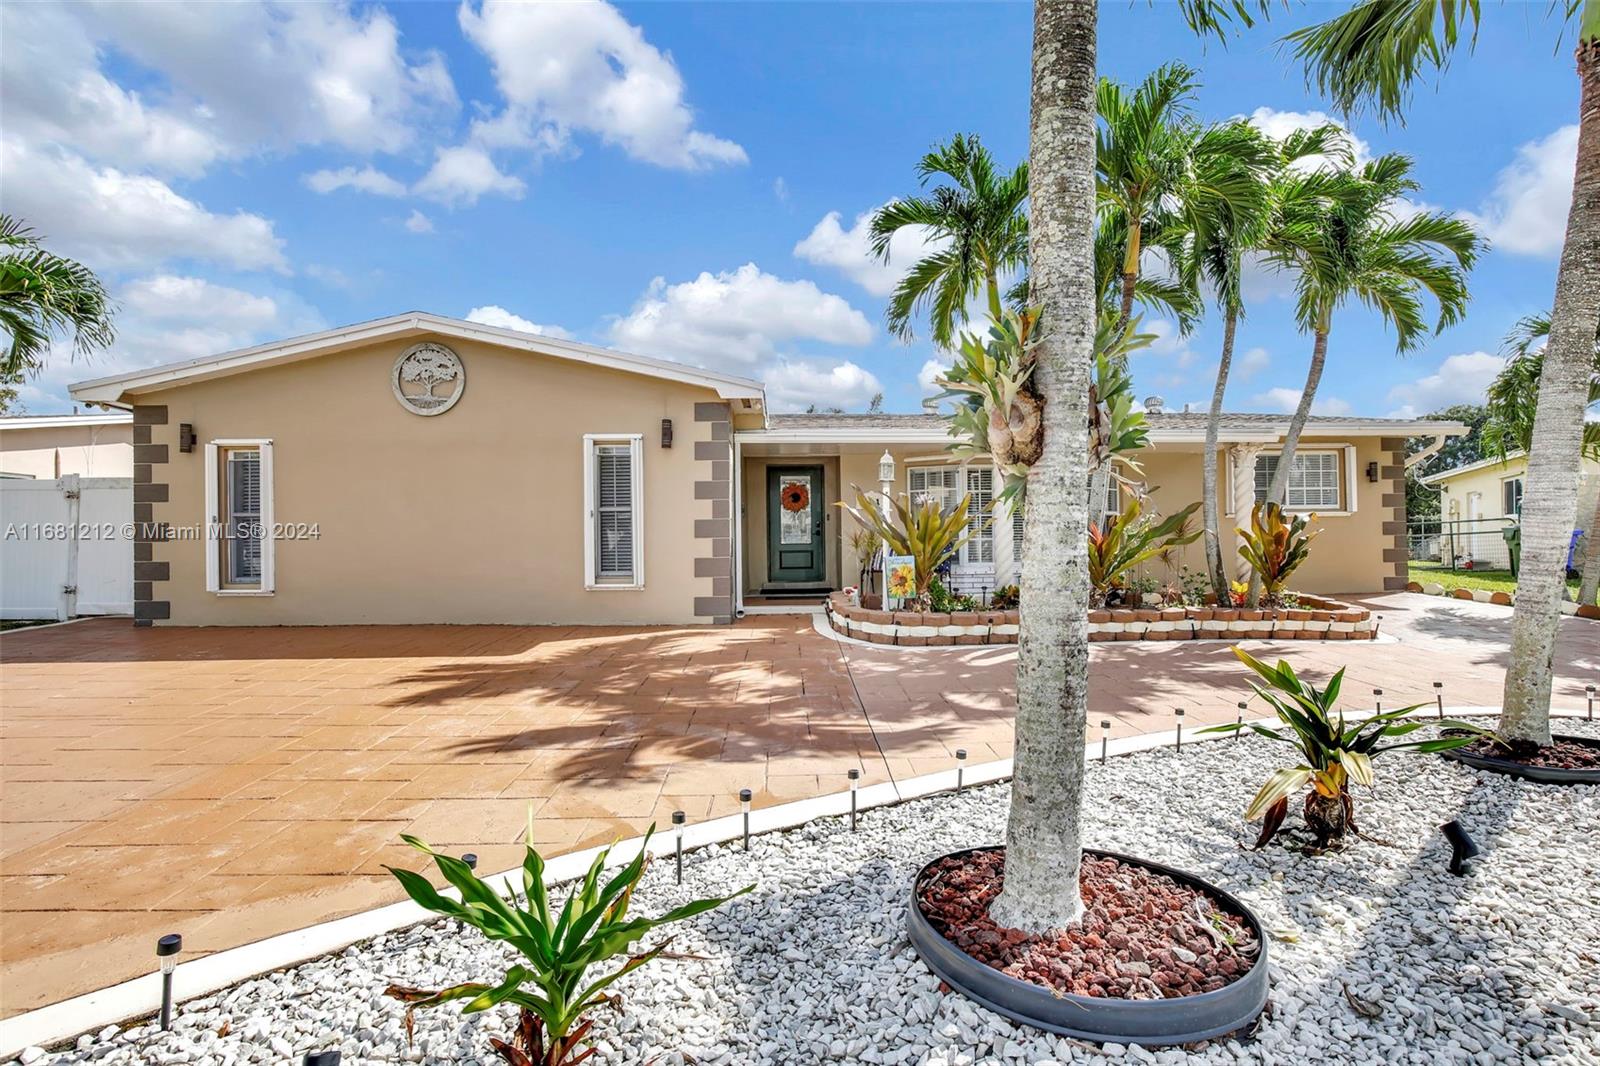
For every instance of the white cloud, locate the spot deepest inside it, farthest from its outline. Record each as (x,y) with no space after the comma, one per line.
(849,251)
(367,179)
(417,222)
(1279,124)
(583,67)
(228,80)
(461,174)
(493,315)
(780,189)
(736,318)
(931,369)
(1527,213)
(1284,401)
(167,298)
(795,384)
(1251,363)
(116,219)
(1462,378)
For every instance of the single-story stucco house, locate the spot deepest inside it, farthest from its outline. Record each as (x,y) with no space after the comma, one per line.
(1478,500)
(52,446)
(421,469)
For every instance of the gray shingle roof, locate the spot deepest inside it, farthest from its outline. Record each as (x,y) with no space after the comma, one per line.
(1174,420)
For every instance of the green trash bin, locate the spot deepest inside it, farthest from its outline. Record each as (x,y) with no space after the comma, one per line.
(1513,536)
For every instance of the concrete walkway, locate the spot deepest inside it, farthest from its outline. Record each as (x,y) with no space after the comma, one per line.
(231,784)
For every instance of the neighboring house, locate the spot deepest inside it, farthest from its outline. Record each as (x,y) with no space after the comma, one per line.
(1476,500)
(49,446)
(423,469)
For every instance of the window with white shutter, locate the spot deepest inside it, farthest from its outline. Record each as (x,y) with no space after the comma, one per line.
(937,483)
(1313,483)
(980,487)
(613,495)
(239,518)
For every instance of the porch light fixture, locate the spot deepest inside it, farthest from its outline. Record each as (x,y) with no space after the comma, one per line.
(186,437)
(1462,846)
(961,767)
(1372,471)
(678,818)
(1105,739)
(167,949)
(744,805)
(666,432)
(855,776)
(1178,713)
(1438,697)
(886,468)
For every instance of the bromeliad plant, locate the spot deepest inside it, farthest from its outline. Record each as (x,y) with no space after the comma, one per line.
(1334,754)
(551,989)
(931,535)
(1275,548)
(1127,540)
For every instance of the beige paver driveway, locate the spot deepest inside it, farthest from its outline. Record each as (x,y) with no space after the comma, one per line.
(232,784)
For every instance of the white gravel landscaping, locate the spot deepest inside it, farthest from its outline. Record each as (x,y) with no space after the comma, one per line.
(1379,955)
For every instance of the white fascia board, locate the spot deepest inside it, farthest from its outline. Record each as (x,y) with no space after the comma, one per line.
(1481,464)
(842,436)
(111,389)
(114,418)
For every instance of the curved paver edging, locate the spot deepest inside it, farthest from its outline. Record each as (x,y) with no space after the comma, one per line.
(1182,1020)
(1501,599)
(1314,619)
(1543,775)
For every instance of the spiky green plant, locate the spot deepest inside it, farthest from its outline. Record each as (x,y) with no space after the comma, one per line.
(1126,541)
(551,990)
(931,535)
(1275,548)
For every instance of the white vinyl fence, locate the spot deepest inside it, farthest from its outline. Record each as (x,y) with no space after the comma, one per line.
(66,547)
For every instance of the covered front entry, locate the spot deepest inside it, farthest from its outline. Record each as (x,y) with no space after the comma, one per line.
(796,548)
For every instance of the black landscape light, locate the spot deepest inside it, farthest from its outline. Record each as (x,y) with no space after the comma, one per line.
(1462,846)
(744,805)
(167,949)
(1238,719)
(678,818)
(471,859)
(1589,691)
(1178,713)
(855,776)
(961,767)
(1105,738)
(1377,701)
(321,1058)
(1438,697)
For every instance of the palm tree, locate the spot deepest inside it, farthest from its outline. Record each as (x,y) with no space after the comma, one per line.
(981,220)
(1339,234)
(1223,231)
(1513,407)
(42,296)
(1373,55)
(1172,297)
(1043,844)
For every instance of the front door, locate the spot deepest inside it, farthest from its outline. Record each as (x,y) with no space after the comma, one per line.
(795,521)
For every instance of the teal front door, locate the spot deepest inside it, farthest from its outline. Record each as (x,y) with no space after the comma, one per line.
(796,550)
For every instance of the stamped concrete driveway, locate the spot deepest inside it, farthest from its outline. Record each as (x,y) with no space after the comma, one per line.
(236,783)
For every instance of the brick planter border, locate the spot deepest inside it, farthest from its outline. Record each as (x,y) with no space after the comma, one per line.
(1502,599)
(1314,619)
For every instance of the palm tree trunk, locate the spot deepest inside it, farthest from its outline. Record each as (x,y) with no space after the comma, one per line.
(1279,485)
(1555,462)
(1590,585)
(1130,271)
(1043,847)
(1211,513)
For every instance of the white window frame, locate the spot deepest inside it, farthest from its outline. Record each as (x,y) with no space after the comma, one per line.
(215,520)
(1347,484)
(1522,493)
(635,443)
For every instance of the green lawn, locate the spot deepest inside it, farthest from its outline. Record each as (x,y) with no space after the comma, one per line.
(1488,580)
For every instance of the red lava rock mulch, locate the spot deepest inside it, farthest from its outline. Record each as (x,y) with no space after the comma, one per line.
(1567,753)
(1143,935)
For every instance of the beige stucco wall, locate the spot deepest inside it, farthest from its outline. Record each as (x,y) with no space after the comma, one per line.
(1489,481)
(1347,556)
(89,451)
(475,515)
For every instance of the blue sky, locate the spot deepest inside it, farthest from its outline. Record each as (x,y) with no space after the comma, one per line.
(682,180)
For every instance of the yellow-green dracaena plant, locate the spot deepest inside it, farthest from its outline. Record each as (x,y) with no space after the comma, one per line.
(1333,754)
(1128,540)
(551,987)
(1275,548)
(928,533)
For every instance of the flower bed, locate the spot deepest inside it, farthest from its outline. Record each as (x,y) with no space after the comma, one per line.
(1313,619)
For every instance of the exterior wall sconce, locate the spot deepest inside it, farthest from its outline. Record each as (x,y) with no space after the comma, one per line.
(886,468)
(1372,471)
(666,432)
(186,436)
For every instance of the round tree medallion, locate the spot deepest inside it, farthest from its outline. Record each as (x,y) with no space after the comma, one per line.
(428,379)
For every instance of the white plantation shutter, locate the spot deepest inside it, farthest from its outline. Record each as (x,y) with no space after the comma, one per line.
(244,495)
(1313,483)
(980,487)
(240,552)
(936,483)
(614,510)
